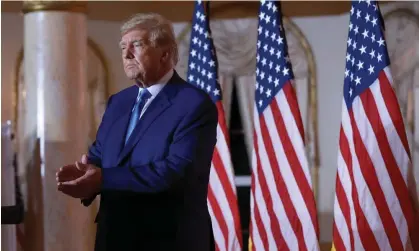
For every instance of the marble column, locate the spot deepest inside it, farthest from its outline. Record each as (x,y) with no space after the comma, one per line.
(55,63)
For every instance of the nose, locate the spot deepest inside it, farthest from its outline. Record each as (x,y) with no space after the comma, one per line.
(128,54)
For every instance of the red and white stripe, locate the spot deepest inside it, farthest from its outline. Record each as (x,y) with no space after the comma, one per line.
(283,210)
(373,210)
(222,199)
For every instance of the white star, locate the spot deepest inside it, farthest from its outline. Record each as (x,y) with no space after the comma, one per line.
(209,75)
(274,9)
(270,79)
(362,49)
(268,93)
(204,59)
(272,50)
(260,103)
(263,2)
(372,53)
(356,29)
(261,89)
(285,71)
(346,73)
(352,76)
(380,42)
(265,47)
(270,64)
(369,2)
(277,68)
(358,80)
(257,72)
(350,91)
(190,78)
(195,40)
(365,34)
(348,57)
(273,36)
(266,33)
(373,37)
(263,61)
(278,54)
(374,21)
(193,53)
(212,63)
(198,14)
(279,40)
(371,69)
(201,30)
(353,61)
(349,42)
(203,72)
(379,57)
(202,18)
(262,15)
(208,88)
(360,65)
(267,19)
(276,82)
(262,75)
(260,30)
(367,18)
(196,27)
(350,26)
(354,45)
(205,47)
(257,58)
(269,5)
(192,65)
(358,14)
(216,92)
(352,10)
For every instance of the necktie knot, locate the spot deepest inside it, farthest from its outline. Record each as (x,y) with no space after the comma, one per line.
(144,95)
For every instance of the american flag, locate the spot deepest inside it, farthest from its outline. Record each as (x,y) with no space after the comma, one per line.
(222,200)
(372,208)
(283,210)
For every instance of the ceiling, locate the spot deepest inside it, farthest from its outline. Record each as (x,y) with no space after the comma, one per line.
(182,10)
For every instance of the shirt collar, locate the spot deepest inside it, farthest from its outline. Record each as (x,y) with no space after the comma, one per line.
(156,88)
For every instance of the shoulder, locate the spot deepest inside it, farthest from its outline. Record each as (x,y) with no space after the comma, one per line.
(124,93)
(192,98)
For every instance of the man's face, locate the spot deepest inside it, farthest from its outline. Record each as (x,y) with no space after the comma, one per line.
(142,61)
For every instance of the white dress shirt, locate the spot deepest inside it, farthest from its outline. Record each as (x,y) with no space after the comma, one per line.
(155,89)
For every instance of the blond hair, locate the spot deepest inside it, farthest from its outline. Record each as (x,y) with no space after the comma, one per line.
(160,30)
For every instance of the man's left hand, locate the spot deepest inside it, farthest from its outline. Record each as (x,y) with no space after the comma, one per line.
(85,186)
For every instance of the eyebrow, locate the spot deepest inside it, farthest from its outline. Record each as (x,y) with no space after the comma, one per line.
(122,43)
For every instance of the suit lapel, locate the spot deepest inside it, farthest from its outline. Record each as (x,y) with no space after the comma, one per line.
(160,103)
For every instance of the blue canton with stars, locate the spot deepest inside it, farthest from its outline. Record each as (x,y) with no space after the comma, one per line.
(202,63)
(366,54)
(273,67)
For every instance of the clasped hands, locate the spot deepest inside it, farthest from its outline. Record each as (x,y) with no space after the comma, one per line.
(79,180)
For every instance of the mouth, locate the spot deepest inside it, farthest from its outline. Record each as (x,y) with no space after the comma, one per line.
(129,66)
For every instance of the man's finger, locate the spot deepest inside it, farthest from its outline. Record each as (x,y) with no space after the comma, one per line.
(68,172)
(81,166)
(84,159)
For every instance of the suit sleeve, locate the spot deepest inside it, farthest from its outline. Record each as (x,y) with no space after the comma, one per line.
(193,140)
(94,155)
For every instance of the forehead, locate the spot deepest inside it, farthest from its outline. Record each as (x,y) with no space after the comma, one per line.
(136,34)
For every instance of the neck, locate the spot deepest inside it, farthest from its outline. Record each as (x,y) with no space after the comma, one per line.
(153,81)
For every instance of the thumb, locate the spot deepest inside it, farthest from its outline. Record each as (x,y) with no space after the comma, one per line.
(81,166)
(84,159)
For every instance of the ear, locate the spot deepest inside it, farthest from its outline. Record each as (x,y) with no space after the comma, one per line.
(166,56)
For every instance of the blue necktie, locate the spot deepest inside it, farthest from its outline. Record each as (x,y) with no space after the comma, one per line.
(136,111)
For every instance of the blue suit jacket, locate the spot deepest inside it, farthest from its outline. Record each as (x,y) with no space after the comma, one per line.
(154,190)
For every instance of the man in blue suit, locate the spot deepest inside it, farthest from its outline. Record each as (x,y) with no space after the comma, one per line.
(152,155)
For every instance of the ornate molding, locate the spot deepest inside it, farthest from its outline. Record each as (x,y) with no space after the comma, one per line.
(67,6)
